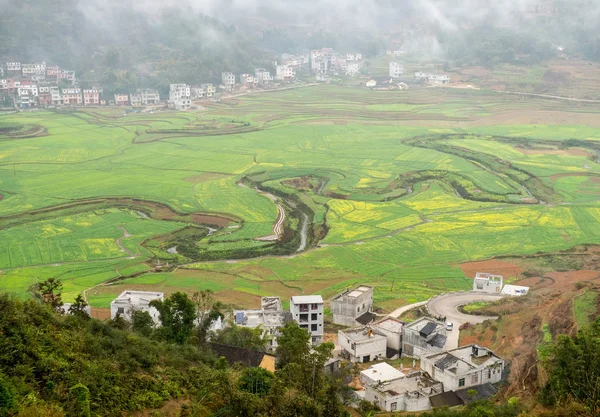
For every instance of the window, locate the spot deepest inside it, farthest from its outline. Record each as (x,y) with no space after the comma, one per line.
(303,318)
(313,316)
(120,310)
(479,286)
(314,306)
(474,379)
(393,406)
(313,327)
(461,382)
(489,373)
(304,326)
(358,309)
(363,306)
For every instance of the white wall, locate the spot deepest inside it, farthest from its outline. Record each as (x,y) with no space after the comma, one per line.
(375,347)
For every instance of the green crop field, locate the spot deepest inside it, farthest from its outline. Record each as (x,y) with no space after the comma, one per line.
(392,189)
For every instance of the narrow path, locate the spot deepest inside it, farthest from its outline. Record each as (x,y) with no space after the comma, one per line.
(518,93)
(401,310)
(303,233)
(120,245)
(293,87)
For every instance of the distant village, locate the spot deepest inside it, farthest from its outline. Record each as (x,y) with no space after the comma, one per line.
(39,85)
(446,374)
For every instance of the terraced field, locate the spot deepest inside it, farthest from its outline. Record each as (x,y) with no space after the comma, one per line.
(393,189)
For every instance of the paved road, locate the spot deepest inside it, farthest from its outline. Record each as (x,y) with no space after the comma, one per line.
(446,306)
(399,311)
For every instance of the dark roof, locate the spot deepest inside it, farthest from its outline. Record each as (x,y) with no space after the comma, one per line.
(235,354)
(445,399)
(446,362)
(390,353)
(482,392)
(428,329)
(439,340)
(365,318)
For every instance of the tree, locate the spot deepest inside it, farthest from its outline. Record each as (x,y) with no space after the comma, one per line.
(78,308)
(293,345)
(573,367)
(249,338)
(142,323)
(207,311)
(50,292)
(256,381)
(177,316)
(7,401)
(79,401)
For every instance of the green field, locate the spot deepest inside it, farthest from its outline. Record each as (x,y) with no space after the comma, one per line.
(399,188)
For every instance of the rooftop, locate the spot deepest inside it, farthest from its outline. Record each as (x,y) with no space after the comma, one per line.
(416,384)
(307,299)
(137,297)
(489,277)
(381,372)
(355,293)
(361,334)
(423,322)
(515,290)
(271,304)
(390,324)
(464,358)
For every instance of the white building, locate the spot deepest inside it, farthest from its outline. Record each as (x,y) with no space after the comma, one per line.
(248,80)
(271,317)
(228,80)
(284,73)
(392,329)
(307,311)
(135,99)
(423,336)
(396,70)
(55,95)
(263,76)
(130,301)
(353,68)
(438,79)
(148,96)
(515,290)
(209,89)
(464,367)
(379,373)
(28,70)
(362,344)
(353,307)
(180,96)
(13,67)
(409,393)
(487,283)
(421,75)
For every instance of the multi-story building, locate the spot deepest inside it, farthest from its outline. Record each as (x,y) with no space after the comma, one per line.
(248,80)
(210,90)
(396,70)
(180,96)
(13,68)
(271,317)
(264,77)
(55,95)
(44,96)
(25,99)
(27,70)
(410,392)
(72,96)
(130,301)
(284,73)
(121,99)
(149,96)
(135,99)
(392,329)
(40,70)
(91,97)
(487,283)
(353,68)
(362,344)
(438,79)
(51,73)
(228,80)
(353,307)
(423,336)
(307,311)
(464,367)
(320,60)
(64,75)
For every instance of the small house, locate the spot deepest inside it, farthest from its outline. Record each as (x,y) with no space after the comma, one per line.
(423,336)
(409,393)
(130,301)
(362,344)
(353,307)
(380,373)
(488,283)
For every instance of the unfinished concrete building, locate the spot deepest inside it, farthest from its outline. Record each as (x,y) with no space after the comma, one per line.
(271,317)
(353,307)
(423,337)
(487,283)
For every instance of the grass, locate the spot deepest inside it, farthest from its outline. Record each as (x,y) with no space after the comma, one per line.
(386,226)
(585,308)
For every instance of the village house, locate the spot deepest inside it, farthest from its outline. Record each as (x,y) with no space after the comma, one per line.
(421,75)
(91,97)
(197,92)
(121,99)
(228,80)
(320,60)
(438,79)
(27,70)
(72,96)
(392,329)
(284,73)
(264,77)
(130,301)
(295,61)
(44,96)
(307,311)
(515,290)
(13,68)
(353,307)
(65,76)
(362,344)
(26,97)
(464,367)
(148,96)
(407,393)
(271,317)
(40,69)
(423,336)
(379,373)
(135,100)
(396,70)
(353,68)
(248,80)
(55,95)
(51,73)
(209,89)
(487,283)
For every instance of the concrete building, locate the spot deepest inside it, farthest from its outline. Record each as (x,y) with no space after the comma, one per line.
(409,393)
(264,77)
(55,95)
(379,373)
(285,73)
(72,96)
(148,96)
(228,80)
(424,336)
(210,90)
(464,367)
(51,73)
(27,70)
(13,68)
(180,96)
(515,290)
(307,311)
(130,301)
(353,307)
(392,329)
(353,68)
(271,317)
(135,100)
(248,80)
(362,344)
(121,99)
(66,76)
(487,283)
(26,98)
(421,75)
(91,97)
(396,70)
(44,96)
(438,79)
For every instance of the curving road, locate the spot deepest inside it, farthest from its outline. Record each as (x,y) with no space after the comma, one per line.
(446,306)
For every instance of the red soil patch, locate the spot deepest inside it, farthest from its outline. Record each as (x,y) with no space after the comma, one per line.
(565,279)
(492,266)
(563,152)
(204,219)
(100,313)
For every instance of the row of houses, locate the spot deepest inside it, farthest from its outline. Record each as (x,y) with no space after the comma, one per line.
(327,61)
(38,71)
(396,70)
